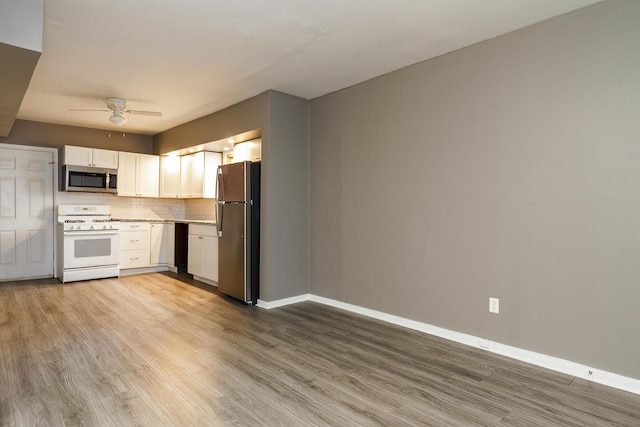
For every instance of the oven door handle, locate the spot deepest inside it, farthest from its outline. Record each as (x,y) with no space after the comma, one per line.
(89,233)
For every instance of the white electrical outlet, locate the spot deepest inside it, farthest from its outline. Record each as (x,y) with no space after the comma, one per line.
(494,305)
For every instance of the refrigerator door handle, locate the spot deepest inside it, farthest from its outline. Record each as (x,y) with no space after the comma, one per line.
(220,185)
(219,216)
(220,196)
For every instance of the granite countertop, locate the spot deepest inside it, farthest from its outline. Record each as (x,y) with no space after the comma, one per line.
(182,220)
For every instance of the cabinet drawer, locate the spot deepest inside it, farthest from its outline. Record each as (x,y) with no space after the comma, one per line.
(133,240)
(134,226)
(134,259)
(203,230)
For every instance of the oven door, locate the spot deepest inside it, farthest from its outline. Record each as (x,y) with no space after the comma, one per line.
(91,248)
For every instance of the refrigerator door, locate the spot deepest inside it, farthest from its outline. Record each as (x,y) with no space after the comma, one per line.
(234,182)
(234,254)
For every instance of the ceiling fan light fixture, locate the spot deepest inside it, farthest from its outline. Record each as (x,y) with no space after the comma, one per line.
(117,119)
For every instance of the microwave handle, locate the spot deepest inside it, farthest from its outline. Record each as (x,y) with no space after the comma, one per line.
(106,181)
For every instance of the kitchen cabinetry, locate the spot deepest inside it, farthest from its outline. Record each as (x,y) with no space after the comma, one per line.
(203,253)
(138,175)
(198,174)
(143,245)
(170,176)
(170,234)
(134,245)
(91,157)
(158,244)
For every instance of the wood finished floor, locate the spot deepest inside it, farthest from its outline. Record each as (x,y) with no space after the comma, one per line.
(155,351)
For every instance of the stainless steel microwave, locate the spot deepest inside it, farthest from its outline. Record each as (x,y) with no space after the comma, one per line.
(93,180)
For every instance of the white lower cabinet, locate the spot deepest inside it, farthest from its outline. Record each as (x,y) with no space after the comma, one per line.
(134,244)
(143,245)
(170,235)
(158,244)
(202,260)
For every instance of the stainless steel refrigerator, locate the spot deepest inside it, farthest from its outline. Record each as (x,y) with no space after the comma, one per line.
(238,217)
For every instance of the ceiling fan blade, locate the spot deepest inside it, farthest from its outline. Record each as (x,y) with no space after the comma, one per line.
(145,113)
(84,109)
(115,103)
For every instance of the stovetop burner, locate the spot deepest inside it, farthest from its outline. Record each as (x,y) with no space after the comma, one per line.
(101,220)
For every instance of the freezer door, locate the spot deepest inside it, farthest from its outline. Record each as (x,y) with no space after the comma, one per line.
(234,183)
(234,263)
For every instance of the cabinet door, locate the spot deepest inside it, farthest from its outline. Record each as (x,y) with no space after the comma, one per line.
(194,257)
(211,163)
(198,175)
(170,232)
(210,258)
(186,176)
(107,159)
(77,156)
(158,246)
(169,176)
(148,173)
(127,174)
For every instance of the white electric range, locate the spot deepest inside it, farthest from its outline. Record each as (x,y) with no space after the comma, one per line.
(88,243)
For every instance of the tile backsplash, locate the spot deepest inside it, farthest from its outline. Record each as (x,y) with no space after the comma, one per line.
(201,209)
(144,207)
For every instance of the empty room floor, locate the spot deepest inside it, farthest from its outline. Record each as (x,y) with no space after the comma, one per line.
(154,350)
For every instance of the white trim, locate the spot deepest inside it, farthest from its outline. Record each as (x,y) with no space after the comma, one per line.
(550,362)
(282,302)
(143,270)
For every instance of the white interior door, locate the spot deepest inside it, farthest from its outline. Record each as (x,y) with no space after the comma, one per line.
(26,213)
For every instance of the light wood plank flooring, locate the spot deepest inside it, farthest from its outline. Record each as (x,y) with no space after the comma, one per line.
(156,351)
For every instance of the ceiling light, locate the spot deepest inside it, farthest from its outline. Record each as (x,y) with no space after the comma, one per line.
(117,119)
(231,140)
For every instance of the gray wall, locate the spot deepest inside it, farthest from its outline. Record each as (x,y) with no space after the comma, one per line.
(40,134)
(510,169)
(283,121)
(250,114)
(285,263)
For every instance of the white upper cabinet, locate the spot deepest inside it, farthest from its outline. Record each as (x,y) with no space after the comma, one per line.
(187,179)
(169,176)
(138,175)
(198,174)
(92,157)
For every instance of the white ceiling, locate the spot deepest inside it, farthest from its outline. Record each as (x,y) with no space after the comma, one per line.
(191,58)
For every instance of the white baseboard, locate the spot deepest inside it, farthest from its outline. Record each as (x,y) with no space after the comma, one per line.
(550,362)
(143,270)
(282,302)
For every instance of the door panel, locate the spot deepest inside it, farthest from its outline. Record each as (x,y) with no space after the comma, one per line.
(36,198)
(7,248)
(35,246)
(26,210)
(7,198)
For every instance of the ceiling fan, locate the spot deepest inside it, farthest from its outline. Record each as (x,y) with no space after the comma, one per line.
(118,107)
